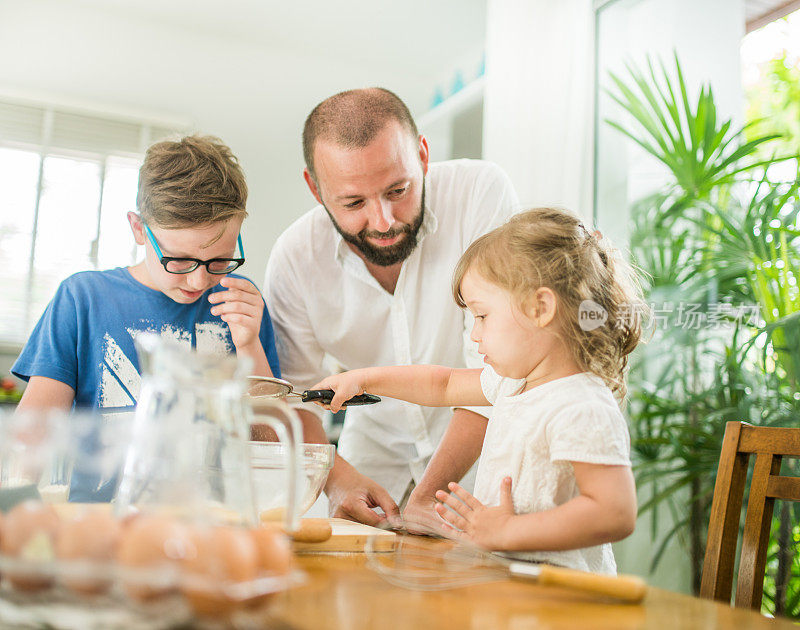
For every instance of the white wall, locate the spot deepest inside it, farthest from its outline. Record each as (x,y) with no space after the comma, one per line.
(250,77)
(538,106)
(539,124)
(253,95)
(707,36)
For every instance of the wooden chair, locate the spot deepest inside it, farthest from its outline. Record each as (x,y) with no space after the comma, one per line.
(769,445)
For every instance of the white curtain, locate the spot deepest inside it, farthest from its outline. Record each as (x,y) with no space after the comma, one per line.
(538,119)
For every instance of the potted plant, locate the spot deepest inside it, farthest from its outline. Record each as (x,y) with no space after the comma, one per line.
(720,243)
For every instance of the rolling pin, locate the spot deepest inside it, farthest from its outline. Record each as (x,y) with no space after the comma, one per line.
(311,530)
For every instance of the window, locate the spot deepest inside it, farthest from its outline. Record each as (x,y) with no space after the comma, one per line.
(67,181)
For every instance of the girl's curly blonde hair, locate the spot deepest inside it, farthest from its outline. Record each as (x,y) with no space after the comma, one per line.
(550,247)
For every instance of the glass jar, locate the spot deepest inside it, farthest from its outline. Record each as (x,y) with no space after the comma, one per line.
(189,451)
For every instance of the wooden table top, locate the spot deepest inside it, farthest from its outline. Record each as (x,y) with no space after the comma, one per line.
(342,592)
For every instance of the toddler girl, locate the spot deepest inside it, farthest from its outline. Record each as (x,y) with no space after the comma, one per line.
(555,316)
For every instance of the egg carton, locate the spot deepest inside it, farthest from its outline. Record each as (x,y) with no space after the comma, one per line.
(63,609)
(81,594)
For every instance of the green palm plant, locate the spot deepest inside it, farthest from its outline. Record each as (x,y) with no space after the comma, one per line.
(702,153)
(698,241)
(790,605)
(759,242)
(775,99)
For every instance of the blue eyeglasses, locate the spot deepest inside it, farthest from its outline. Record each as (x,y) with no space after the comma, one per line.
(216,266)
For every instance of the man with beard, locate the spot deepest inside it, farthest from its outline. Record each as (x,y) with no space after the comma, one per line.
(364,279)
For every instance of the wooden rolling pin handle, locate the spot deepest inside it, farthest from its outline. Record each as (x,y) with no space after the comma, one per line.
(627,588)
(313,530)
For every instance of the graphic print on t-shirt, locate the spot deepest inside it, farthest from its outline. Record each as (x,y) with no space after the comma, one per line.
(121,382)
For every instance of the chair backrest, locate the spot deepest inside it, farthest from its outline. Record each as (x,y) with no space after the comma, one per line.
(769,445)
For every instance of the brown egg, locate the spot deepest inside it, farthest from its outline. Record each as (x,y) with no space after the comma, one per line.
(92,535)
(29,532)
(220,555)
(274,550)
(150,543)
(274,556)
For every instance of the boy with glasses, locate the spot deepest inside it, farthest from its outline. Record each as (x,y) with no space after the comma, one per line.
(191,204)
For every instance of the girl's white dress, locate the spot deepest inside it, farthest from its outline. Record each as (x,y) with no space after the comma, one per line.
(532,437)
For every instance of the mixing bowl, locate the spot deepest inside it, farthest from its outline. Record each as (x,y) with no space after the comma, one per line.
(270,483)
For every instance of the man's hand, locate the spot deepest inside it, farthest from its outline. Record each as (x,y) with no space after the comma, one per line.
(471,520)
(420,517)
(241,307)
(353,495)
(457,451)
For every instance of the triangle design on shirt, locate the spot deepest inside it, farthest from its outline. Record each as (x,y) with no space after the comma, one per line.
(120,382)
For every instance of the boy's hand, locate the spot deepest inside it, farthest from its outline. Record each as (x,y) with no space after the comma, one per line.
(241,307)
(472,520)
(345,386)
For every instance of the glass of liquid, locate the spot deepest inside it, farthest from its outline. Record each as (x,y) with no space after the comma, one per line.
(59,456)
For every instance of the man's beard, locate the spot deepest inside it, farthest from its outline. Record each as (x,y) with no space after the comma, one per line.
(389,254)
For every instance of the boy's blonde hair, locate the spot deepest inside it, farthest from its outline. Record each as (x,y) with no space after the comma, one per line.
(550,247)
(191,182)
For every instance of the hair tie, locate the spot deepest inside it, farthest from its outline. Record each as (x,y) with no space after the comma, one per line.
(594,237)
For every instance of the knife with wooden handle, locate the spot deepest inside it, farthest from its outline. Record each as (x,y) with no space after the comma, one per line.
(626,588)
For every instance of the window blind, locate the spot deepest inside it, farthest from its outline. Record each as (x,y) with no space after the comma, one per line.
(25,123)
(67,179)
(21,123)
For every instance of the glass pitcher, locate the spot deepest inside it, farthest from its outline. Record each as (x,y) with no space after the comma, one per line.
(189,452)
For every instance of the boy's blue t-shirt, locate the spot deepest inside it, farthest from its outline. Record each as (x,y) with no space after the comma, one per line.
(85,336)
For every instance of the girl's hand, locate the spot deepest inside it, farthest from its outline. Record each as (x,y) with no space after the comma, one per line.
(474,521)
(241,307)
(345,386)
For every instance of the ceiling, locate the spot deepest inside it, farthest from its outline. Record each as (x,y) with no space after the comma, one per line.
(354,29)
(415,32)
(758,13)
